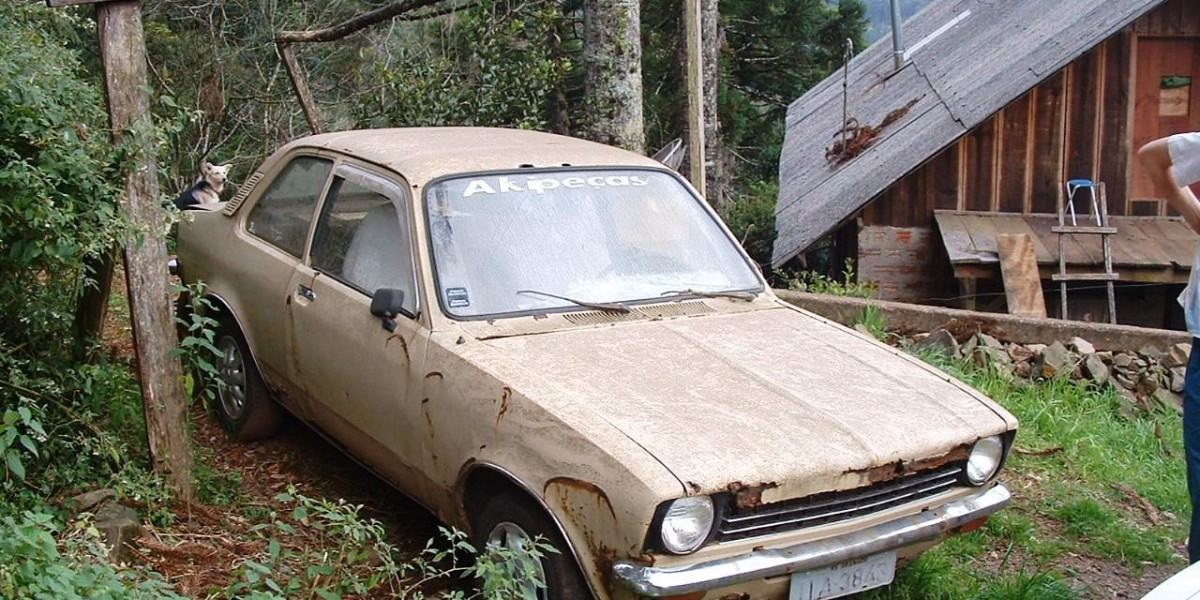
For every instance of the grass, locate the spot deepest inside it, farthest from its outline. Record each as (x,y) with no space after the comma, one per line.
(1086,482)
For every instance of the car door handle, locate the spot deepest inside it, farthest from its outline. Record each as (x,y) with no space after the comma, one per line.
(306,292)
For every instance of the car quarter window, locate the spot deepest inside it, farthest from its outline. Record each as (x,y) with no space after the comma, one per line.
(283,214)
(362,240)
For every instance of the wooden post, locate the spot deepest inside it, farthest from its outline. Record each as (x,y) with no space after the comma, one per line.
(695,87)
(123,54)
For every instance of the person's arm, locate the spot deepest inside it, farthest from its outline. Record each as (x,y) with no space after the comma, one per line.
(1156,158)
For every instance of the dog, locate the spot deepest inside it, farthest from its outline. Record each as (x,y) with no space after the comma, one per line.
(207,190)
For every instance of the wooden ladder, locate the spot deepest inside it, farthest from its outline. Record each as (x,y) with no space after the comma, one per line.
(1097,212)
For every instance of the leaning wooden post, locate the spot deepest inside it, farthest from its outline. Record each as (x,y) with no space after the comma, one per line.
(123,54)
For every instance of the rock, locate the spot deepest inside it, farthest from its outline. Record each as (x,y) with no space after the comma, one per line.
(1055,360)
(1178,375)
(863,329)
(1106,356)
(939,341)
(1164,400)
(1151,353)
(1127,404)
(988,341)
(1082,346)
(1095,369)
(1036,349)
(1020,353)
(88,500)
(968,347)
(1022,369)
(1125,380)
(119,525)
(1122,360)
(1177,355)
(1146,386)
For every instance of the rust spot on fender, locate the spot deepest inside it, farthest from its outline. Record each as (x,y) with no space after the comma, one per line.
(583,486)
(749,496)
(403,344)
(505,396)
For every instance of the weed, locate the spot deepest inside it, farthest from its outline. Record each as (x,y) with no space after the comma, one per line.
(340,553)
(816,283)
(197,350)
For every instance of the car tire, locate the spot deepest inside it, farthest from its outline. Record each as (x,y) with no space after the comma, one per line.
(511,519)
(244,406)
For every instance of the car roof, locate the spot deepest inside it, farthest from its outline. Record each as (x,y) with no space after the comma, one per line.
(421,154)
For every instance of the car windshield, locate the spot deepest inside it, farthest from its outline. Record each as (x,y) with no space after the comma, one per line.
(537,241)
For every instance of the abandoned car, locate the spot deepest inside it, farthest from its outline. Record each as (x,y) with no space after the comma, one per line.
(533,335)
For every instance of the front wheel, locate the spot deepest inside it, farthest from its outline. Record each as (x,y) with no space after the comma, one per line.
(244,406)
(510,521)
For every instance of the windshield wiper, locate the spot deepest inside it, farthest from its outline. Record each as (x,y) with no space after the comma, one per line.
(736,295)
(609,306)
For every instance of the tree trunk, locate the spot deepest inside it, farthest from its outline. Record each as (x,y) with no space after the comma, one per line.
(93,303)
(123,54)
(710,55)
(612,62)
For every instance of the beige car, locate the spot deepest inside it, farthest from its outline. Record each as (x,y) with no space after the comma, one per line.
(533,335)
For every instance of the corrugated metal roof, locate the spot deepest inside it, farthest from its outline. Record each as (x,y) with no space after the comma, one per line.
(967,60)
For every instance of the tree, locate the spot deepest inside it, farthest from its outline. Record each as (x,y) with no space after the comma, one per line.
(612,62)
(770,52)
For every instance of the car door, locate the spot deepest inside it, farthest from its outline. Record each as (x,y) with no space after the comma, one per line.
(358,375)
(276,228)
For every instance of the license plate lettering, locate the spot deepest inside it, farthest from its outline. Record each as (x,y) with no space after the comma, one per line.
(845,578)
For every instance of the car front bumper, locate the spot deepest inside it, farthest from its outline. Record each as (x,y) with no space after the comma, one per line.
(770,562)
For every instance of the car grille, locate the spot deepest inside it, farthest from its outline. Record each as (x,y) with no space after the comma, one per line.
(833,507)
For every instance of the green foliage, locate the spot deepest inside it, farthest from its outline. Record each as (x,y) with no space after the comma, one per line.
(59,179)
(197,350)
(751,218)
(489,65)
(334,552)
(39,561)
(816,283)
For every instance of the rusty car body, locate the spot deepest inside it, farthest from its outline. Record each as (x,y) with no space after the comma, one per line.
(533,335)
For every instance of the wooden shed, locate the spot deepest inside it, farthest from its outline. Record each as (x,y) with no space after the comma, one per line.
(997,105)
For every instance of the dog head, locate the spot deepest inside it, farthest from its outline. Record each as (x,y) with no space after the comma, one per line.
(215,175)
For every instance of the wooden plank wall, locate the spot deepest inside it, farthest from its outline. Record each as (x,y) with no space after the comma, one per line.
(1077,123)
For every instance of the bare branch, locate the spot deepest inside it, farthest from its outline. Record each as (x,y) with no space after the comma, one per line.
(353,25)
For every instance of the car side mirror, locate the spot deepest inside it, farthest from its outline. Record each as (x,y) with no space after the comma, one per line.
(387,303)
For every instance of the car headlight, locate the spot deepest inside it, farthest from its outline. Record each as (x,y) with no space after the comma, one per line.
(985,460)
(687,523)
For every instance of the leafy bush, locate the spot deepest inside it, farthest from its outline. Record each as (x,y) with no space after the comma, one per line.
(362,561)
(36,565)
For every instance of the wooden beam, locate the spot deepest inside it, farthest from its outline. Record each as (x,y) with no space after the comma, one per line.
(123,55)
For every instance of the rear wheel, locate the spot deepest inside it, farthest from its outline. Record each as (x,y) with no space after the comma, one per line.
(510,520)
(244,406)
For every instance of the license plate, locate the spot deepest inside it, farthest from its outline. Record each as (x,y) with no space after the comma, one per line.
(845,578)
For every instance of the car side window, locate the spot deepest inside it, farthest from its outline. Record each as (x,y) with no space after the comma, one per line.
(282,216)
(362,240)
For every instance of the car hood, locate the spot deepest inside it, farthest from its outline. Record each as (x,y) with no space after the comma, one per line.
(777,398)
